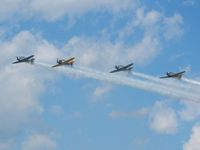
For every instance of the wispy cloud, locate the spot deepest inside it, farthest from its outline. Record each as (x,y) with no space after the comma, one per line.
(173,27)
(56,109)
(189,2)
(56,10)
(163,119)
(189,111)
(100,92)
(40,142)
(194,142)
(21,85)
(143,112)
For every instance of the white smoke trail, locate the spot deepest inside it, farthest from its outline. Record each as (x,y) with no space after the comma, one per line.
(197,83)
(136,83)
(170,82)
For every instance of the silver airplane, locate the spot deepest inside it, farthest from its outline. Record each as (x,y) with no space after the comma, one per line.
(177,75)
(22,59)
(118,68)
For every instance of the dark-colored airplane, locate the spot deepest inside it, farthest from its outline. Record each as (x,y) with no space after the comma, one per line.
(118,68)
(63,62)
(177,75)
(22,59)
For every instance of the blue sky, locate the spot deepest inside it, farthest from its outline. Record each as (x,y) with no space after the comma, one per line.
(45,109)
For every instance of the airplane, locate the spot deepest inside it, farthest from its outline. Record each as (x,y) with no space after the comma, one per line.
(177,75)
(118,68)
(22,59)
(63,62)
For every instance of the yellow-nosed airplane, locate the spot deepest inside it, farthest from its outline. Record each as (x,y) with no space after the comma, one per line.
(62,62)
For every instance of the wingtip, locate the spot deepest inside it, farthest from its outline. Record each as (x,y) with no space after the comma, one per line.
(14,62)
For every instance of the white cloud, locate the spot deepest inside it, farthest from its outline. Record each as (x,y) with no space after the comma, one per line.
(56,109)
(3,31)
(176,57)
(22,84)
(163,119)
(94,53)
(7,145)
(76,114)
(173,27)
(20,89)
(100,91)
(190,111)
(154,24)
(8,8)
(20,103)
(141,143)
(188,2)
(54,10)
(187,68)
(149,18)
(57,9)
(135,114)
(194,141)
(148,22)
(39,142)
(26,43)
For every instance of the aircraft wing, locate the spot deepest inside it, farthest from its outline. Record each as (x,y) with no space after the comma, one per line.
(57,65)
(27,58)
(116,70)
(69,60)
(163,77)
(16,62)
(127,66)
(179,73)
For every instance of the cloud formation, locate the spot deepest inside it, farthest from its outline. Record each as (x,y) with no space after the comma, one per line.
(21,85)
(194,141)
(140,113)
(173,28)
(55,10)
(39,142)
(189,2)
(163,119)
(21,103)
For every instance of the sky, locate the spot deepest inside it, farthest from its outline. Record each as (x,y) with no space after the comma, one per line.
(55,109)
